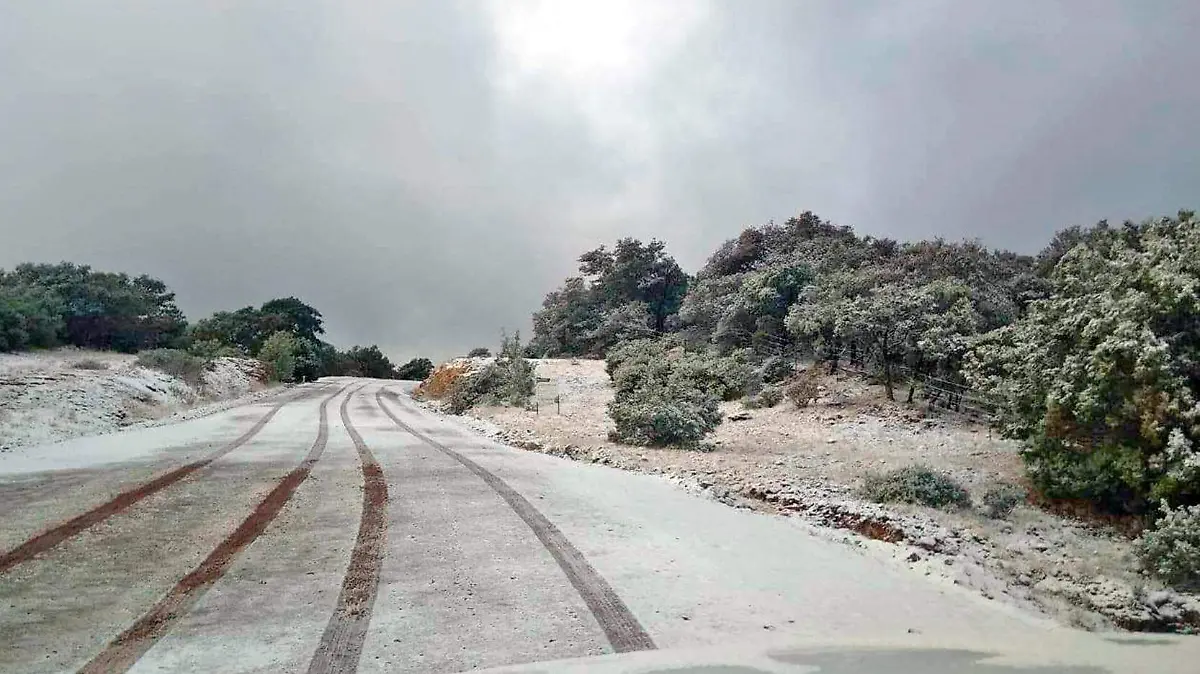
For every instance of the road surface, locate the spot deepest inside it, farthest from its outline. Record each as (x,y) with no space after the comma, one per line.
(337,527)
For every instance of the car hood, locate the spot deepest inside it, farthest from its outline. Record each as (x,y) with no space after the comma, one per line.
(1061,652)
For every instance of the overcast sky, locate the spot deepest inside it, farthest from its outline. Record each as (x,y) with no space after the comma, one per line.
(423,172)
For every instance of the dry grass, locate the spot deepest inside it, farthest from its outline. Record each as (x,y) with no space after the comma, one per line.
(442,380)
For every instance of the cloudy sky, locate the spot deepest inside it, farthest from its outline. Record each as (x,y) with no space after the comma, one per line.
(423,172)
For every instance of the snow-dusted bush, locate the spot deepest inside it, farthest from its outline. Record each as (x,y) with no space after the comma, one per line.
(667,416)
(1000,500)
(174,362)
(770,396)
(1171,551)
(920,485)
(668,396)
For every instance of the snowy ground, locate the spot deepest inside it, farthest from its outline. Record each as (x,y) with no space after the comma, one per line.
(51,396)
(807,463)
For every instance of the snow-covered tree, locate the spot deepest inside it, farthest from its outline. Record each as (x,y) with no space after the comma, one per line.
(1103,376)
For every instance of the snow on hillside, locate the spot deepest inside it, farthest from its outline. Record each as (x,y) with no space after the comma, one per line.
(54,395)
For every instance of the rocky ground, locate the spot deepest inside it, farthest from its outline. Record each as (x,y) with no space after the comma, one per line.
(50,396)
(808,463)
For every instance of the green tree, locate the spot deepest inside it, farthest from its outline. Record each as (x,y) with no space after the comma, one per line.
(893,324)
(103,310)
(248,328)
(591,312)
(241,329)
(30,317)
(292,315)
(568,318)
(278,353)
(310,360)
(416,369)
(369,361)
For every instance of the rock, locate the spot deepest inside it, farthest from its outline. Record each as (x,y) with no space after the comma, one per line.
(914,557)
(1160,597)
(1169,612)
(739,416)
(1048,585)
(831,441)
(928,542)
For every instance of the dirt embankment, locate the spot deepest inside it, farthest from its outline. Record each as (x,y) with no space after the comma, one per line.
(808,463)
(55,395)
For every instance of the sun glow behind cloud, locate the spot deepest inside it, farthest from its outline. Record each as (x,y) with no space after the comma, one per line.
(598,62)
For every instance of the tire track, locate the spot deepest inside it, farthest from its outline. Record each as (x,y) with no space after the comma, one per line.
(622,628)
(342,642)
(133,643)
(76,525)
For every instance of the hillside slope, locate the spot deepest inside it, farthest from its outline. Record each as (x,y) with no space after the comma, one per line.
(48,396)
(809,462)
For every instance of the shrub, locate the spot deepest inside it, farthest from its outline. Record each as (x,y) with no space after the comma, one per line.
(474,389)
(479,352)
(770,396)
(89,364)
(916,484)
(214,348)
(1171,551)
(174,362)
(647,363)
(510,380)
(775,369)
(416,369)
(801,389)
(721,377)
(1000,500)
(278,354)
(645,350)
(311,359)
(668,396)
(664,417)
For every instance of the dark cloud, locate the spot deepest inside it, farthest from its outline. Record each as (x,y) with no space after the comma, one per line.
(402,168)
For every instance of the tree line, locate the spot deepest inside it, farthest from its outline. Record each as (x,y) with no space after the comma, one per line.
(1089,349)
(51,305)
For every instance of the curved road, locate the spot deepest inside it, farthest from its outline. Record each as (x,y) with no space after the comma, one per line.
(338,528)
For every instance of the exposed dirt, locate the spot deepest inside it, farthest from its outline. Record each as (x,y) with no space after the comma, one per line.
(809,463)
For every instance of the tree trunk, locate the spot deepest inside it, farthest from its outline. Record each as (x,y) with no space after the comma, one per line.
(912,384)
(887,372)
